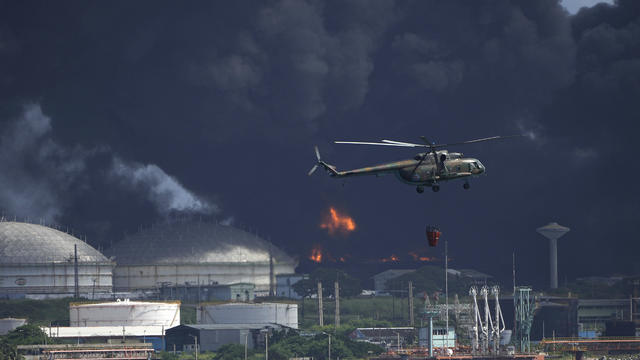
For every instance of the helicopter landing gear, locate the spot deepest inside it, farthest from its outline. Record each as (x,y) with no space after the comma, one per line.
(466,185)
(435,188)
(420,189)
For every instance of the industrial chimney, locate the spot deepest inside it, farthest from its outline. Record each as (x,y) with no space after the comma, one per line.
(553,232)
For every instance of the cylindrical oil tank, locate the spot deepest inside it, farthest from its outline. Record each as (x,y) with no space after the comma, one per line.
(241,313)
(125,313)
(9,324)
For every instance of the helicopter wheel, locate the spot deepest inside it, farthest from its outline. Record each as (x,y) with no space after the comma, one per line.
(466,186)
(420,189)
(435,188)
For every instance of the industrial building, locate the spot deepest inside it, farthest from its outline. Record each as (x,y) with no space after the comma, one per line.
(186,253)
(39,262)
(441,337)
(125,313)
(282,314)
(210,337)
(284,285)
(593,314)
(380,280)
(203,293)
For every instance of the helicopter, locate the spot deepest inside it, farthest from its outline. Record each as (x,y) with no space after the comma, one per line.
(427,169)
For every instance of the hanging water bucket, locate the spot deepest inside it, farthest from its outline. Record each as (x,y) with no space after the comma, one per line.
(433,235)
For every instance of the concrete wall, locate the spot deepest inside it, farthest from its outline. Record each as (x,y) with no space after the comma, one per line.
(54,278)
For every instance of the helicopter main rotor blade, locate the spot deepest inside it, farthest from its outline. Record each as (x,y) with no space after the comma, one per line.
(477,140)
(402,143)
(379,143)
(313,169)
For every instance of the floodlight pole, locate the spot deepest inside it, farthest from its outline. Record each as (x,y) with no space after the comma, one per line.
(246,343)
(446,287)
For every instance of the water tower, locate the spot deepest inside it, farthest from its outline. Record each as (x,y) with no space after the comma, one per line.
(553,232)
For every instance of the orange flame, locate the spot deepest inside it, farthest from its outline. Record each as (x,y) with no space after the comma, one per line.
(316,254)
(392,258)
(336,222)
(417,257)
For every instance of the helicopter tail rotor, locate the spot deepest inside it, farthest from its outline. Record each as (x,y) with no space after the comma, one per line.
(330,168)
(315,167)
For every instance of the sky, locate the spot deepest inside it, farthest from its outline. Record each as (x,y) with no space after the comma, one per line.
(117,115)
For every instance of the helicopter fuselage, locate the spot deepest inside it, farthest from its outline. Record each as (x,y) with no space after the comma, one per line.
(427,172)
(430,173)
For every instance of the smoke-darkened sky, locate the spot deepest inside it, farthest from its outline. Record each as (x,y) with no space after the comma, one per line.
(115,115)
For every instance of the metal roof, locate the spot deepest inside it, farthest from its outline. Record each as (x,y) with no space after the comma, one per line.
(231,326)
(393,273)
(194,243)
(24,243)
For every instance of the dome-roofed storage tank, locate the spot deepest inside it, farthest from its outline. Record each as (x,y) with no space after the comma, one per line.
(125,313)
(188,253)
(38,260)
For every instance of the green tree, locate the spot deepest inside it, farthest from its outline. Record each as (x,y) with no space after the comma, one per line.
(349,285)
(232,352)
(23,335)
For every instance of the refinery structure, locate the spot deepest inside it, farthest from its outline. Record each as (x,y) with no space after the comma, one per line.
(137,291)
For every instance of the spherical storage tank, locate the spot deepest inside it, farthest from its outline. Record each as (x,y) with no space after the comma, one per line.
(125,313)
(236,313)
(185,253)
(39,260)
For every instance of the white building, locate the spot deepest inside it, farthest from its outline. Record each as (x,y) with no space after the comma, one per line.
(194,254)
(242,313)
(125,313)
(38,261)
(441,337)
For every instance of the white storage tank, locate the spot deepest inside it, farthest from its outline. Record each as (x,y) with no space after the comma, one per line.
(38,261)
(186,253)
(125,313)
(241,313)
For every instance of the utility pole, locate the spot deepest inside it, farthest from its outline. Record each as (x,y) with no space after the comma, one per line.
(266,345)
(76,285)
(246,343)
(271,273)
(446,286)
(320,310)
(411,321)
(337,292)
